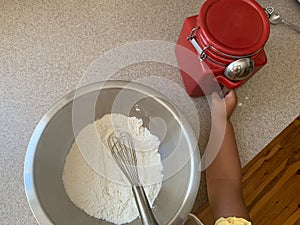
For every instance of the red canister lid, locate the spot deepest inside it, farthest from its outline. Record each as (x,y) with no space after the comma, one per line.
(234,27)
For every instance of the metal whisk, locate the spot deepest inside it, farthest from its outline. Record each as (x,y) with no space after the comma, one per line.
(123,152)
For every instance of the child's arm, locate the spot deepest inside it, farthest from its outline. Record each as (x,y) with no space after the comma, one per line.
(223,175)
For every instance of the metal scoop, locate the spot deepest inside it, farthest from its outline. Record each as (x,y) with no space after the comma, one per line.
(275,18)
(237,70)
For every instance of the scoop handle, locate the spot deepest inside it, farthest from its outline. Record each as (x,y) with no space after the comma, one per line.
(291,25)
(143,205)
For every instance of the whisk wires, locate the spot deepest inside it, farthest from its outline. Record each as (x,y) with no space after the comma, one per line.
(123,152)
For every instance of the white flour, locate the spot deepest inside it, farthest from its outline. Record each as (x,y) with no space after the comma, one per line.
(107,194)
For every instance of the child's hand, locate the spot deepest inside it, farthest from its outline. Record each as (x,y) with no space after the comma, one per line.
(223,108)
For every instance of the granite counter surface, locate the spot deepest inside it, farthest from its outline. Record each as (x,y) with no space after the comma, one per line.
(48,48)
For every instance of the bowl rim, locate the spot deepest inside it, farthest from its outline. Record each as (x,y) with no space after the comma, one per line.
(29,183)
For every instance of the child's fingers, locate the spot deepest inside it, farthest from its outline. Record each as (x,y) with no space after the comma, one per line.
(215,98)
(231,94)
(224,106)
(231,98)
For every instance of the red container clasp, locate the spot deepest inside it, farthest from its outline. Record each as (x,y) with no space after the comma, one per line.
(225,32)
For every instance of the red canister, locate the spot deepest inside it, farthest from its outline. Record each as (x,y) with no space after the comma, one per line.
(209,43)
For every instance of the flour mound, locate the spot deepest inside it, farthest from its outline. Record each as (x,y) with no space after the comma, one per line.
(106,194)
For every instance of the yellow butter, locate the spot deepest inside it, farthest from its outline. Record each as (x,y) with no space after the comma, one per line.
(232,221)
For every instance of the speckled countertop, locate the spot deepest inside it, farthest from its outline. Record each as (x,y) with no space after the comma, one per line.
(46,47)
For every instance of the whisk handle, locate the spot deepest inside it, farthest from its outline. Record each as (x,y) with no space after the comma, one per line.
(143,205)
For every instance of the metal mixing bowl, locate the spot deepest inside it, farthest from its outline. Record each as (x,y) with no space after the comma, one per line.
(55,134)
